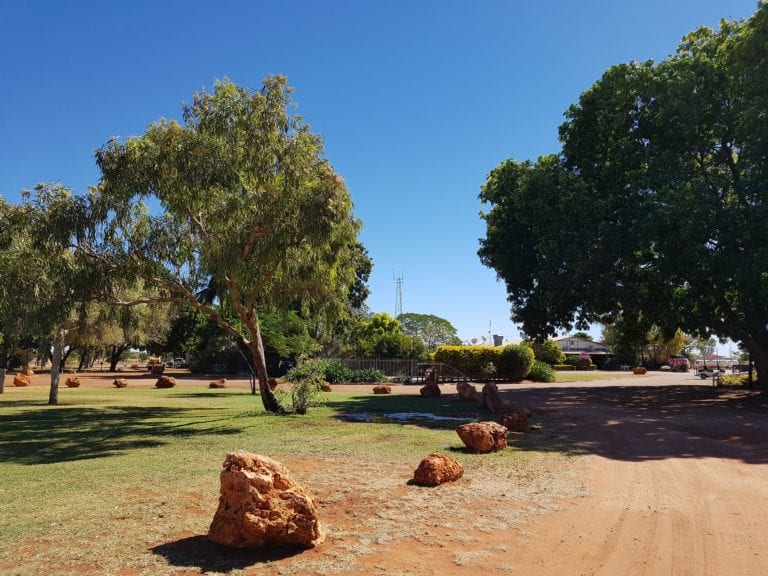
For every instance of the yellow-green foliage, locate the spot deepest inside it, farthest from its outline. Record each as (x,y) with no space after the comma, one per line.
(734,380)
(510,362)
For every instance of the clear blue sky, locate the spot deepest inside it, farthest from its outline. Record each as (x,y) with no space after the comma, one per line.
(417,100)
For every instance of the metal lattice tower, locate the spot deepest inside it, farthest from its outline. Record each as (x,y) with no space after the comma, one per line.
(398,295)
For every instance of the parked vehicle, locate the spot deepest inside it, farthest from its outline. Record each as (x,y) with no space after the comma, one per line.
(679,364)
(178,363)
(708,368)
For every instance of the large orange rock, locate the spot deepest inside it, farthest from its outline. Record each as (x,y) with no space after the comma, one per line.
(165,382)
(220,383)
(72,382)
(21,380)
(262,507)
(382,389)
(120,383)
(436,469)
(483,436)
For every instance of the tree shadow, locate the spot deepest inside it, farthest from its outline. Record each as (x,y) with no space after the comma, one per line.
(443,413)
(637,423)
(202,553)
(48,435)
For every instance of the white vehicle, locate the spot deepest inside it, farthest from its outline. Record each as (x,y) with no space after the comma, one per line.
(708,368)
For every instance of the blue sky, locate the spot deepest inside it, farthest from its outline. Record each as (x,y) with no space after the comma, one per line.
(417,101)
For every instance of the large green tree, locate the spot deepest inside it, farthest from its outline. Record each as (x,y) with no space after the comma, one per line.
(247,202)
(46,281)
(433,330)
(656,208)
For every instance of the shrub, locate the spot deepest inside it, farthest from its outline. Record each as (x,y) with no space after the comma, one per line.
(335,372)
(564,367)
(510,362)
(515,362)
(547,351)
(541,372)
(367,375)
(307,370)
(734,379)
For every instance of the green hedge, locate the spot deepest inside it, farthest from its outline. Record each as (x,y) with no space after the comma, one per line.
(511,362)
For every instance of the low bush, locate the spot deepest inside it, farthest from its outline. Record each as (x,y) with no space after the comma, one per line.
(564,367)
(509,362)
(332,372)
(734,379)
(547,351)
(367,375)
(541,372)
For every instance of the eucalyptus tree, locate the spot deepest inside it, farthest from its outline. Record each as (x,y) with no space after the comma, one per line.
(657,206)
(238,193)
(45,279)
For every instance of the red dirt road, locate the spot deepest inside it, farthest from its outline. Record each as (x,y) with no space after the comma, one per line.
(679,482)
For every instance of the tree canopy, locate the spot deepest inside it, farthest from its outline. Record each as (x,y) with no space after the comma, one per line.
(655,210)
(433,330)
(249,205)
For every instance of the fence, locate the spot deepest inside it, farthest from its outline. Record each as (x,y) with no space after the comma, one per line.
(413,369)
(390,366)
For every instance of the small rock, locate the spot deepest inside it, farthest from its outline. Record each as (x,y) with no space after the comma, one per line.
(120,383)
(430,390)
(436,469)
(467,392)
(165,382)
(272,383)
(72,382)
(21,380)
(483,437)
(491,399)
(382,389)
(220,383)
(262,507)
(516,421)
(157,369)
(325,387)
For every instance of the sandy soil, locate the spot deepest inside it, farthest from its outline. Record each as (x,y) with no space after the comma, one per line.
(650,475)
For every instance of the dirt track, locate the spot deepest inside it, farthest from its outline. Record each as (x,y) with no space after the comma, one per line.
(678,475)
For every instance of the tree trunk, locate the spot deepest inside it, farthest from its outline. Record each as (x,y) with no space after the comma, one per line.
(3,366)
(271,404)
(758,352)
(114,357)
(65,355)
(56,365)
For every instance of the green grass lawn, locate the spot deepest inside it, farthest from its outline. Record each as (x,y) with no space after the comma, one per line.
(108,472)
(588,376)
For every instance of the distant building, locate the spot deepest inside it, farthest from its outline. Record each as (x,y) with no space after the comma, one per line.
(574,345)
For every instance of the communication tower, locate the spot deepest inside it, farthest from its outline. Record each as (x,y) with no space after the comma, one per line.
(398,294)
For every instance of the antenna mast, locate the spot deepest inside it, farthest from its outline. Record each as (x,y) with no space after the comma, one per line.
(398,294)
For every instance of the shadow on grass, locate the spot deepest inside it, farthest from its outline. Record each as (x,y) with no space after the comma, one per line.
(58,434)
(407,409)
(200,552)
(639,423)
